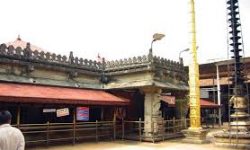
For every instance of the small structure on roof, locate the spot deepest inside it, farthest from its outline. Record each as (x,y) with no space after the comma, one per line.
(22,44)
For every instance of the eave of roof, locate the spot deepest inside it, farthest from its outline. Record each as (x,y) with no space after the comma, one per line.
(26,93)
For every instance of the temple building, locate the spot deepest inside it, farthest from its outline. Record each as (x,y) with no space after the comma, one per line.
(210,72)
(41,87)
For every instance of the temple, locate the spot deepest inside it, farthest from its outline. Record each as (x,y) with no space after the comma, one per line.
(40,87)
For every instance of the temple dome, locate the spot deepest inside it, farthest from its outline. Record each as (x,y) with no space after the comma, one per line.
(20,43)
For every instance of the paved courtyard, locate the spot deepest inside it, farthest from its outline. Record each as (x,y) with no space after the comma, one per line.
(132,145)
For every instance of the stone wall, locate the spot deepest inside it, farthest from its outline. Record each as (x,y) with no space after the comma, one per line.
(38,67)
(26,65)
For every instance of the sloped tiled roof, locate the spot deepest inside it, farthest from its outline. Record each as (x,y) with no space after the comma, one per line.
(28,93)
(204,103)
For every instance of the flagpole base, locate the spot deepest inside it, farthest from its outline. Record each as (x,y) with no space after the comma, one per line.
(195,136)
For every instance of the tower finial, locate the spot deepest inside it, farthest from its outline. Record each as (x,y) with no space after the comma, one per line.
(19,37)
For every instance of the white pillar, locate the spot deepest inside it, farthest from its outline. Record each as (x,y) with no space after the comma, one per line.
(152,113)
(218,91)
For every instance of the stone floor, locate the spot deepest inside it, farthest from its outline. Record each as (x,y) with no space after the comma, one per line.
(132,145)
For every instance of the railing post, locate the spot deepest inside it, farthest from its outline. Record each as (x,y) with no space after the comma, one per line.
(96,130)
(123,130)
(18,115)
(47,134)
(184,123)
(181,123)
(114,128)
(214,119)
(140,130)
(74,126)
(153,132)
(174,124)
(163,130)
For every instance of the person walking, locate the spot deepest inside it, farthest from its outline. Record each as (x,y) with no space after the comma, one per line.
(11,138)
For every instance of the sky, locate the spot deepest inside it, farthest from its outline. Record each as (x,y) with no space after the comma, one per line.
(118,29)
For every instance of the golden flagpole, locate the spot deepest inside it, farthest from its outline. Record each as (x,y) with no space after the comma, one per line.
(195,133)
(194,82)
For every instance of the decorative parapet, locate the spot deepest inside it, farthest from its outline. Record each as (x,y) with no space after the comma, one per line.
(136,62)
(172,68)
(149,62)
(45,57)
(124,64)
(168,64)
(162,67)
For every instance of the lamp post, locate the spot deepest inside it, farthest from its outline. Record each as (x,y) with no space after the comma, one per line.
(156,37)
(218,91)
(181,59)
(185,50)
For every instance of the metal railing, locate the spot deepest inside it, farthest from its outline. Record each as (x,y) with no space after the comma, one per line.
(52,132)
(161,130)
(100,130)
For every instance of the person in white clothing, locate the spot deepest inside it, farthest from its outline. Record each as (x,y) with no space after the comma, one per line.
(11,138)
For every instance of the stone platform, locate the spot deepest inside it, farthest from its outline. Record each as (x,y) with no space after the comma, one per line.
(237,140)
(197,136)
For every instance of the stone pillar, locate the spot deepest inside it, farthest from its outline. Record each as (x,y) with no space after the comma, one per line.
(152,113)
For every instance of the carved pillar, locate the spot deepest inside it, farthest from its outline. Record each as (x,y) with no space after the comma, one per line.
(152,113)
(194,84)
(194,134)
